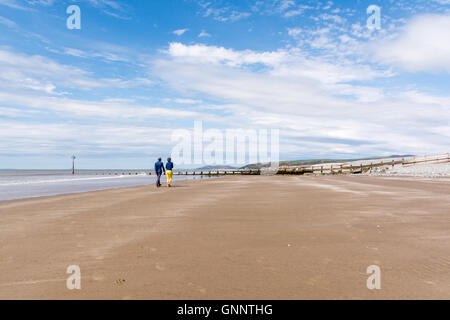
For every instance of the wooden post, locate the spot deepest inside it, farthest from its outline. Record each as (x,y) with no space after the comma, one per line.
(73,164)
(392,163)
(331,169)
(321,170)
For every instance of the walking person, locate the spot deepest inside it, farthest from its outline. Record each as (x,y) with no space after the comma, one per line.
(159,168)
(169,171)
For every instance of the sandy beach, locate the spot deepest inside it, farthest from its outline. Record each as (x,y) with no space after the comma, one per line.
(261,237)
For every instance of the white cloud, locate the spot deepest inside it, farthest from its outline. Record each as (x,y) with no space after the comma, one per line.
(224,13)
(309,99)
(24,139)
(109,109)
(7,22)
(212,54)
(293,32)
(333,17)
(180,32)
(45,3)
(283,62)
(38,73)
(204,34)
(112,8)
(187,101)
(106,55)
(287,8)
(13,4)
(422,46)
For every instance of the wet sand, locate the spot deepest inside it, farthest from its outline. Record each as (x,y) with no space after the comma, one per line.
(255,237)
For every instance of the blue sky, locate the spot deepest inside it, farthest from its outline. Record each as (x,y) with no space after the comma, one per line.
(113,92)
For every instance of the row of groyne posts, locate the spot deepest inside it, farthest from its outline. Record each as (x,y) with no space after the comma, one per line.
(217,172)
(364,166)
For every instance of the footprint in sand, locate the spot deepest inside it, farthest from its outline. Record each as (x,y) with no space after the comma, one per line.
(120,282)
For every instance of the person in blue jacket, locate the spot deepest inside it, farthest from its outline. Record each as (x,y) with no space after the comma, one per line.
(159,169)
(169,168)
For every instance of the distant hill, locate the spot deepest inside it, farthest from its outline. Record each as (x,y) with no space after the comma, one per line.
(316,161)
(401,156)
(216,167)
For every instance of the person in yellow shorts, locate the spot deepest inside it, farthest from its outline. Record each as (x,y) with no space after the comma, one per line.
(169,168)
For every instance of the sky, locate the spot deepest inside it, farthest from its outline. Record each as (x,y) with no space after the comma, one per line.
(114,91)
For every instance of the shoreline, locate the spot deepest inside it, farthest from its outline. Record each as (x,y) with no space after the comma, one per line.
(78,184)
(70,195)
(252,237)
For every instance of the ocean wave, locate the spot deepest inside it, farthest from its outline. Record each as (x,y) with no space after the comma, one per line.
(63,180)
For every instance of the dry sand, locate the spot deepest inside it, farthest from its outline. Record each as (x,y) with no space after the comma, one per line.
(283,237)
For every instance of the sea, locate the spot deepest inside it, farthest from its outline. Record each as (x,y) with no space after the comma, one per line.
(20,184)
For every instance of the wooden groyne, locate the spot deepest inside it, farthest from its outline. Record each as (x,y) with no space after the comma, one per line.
(364,166)
(222,172)
(216,172)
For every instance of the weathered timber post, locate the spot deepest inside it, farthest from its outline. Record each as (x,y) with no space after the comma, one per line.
(73,164)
